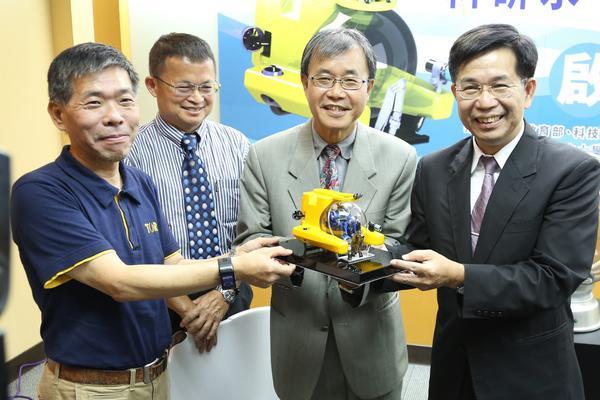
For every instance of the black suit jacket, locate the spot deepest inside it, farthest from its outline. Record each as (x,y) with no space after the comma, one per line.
(513,327)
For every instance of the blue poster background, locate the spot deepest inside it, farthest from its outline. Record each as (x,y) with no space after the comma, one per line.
(569,64)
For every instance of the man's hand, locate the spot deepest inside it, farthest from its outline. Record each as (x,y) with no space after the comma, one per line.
(380,247)
(256,244)
(260,268)
(426,269)
(204,318)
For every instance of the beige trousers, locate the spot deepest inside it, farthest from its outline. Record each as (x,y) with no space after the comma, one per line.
(53,388)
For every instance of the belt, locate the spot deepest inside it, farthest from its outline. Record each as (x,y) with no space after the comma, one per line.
(145,374)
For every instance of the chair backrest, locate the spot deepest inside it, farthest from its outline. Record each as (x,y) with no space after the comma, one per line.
(239,367)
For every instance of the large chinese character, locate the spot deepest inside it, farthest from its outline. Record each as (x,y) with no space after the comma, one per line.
(543,130)
(510,3)
(578,78)
(557,131)
(556,4)
(578,132)
(593,133)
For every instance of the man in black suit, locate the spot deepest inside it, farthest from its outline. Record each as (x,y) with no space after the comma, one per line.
(507,245)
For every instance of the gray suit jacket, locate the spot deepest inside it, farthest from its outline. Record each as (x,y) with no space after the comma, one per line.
(370,338)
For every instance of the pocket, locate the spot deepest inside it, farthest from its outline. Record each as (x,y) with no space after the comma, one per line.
(542,336)
(387,300)
(227,194)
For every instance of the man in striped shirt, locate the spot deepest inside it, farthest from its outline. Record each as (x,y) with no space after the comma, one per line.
(183,80)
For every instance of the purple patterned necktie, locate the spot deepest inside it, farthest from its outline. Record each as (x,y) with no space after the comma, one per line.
(199,206)
(491,166)
(329,174)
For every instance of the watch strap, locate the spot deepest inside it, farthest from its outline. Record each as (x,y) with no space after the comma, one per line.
(226,273)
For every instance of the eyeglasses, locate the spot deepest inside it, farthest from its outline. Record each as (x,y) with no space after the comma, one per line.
(187,89)
(327,82)
(472,91)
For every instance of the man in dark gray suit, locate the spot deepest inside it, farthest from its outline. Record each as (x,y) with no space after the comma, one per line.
(321,346)
(506,225)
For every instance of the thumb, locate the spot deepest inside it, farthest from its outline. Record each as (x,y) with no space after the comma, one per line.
(269,241)
(417,256)
(278,251)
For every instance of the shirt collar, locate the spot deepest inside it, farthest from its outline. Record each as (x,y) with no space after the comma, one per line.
(345,145)
(501,156)
(100,189)
(175,135)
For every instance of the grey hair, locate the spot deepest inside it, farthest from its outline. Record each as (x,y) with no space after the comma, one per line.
(485,38)
(331,42)
(80,60)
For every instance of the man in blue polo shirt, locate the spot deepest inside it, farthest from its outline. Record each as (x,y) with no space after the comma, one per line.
(93,241)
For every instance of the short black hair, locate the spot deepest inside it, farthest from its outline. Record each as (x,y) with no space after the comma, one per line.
(486,38)
(181,45)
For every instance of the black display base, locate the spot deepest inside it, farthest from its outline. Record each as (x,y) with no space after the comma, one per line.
(587,347)
(327,263)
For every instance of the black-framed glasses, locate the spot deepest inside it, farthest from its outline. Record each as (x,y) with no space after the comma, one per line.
(472,91)
(327,82)
(188,88)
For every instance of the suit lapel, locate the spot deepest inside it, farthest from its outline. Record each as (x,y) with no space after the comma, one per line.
(361,169)
(459,186)
(303,167)
(508,192)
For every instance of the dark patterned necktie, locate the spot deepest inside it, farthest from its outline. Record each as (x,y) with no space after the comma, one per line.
(199,206)
(329,174)
(491,166)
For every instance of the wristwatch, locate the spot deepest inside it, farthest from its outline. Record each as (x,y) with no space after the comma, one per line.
(226,273)
(228,294)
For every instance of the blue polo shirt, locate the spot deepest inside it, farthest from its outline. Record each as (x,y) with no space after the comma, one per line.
(64,215)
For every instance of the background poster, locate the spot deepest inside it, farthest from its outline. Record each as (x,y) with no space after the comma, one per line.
(567,102)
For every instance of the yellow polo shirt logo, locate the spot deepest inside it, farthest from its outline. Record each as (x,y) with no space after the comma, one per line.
(151,227)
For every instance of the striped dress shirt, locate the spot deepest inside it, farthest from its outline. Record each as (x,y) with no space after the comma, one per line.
(157,151)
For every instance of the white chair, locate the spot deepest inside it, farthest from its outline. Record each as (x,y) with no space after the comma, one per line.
(239,367)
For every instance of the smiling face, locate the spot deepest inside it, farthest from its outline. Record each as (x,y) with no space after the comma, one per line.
(336,110)
(493,122)
(185,113)
(101,117)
